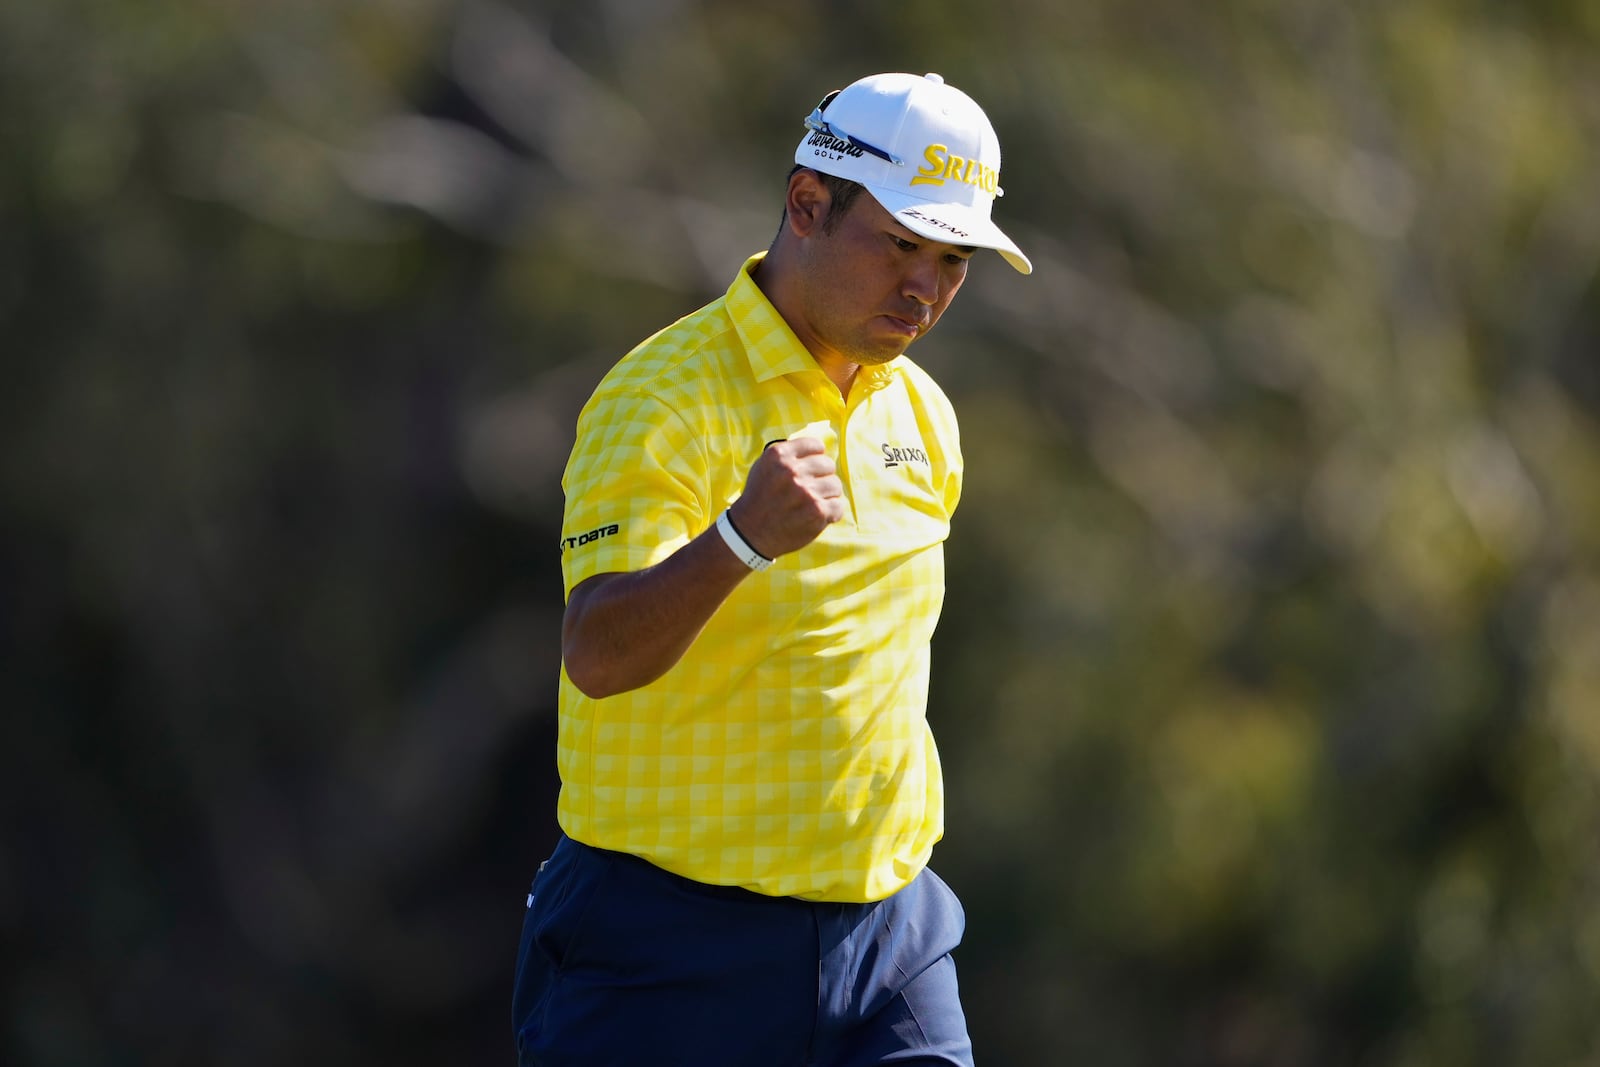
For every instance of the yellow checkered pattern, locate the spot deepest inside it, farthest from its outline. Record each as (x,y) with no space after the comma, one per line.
(788,751)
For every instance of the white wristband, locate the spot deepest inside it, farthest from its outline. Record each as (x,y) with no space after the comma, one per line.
(741,548)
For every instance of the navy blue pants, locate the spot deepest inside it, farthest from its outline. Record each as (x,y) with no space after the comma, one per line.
(624,964)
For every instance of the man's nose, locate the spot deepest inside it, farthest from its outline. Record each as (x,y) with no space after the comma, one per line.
(922,282)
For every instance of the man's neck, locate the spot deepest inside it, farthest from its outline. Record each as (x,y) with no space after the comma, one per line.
(770,277)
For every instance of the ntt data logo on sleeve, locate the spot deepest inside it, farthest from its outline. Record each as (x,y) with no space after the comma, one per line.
(589,538)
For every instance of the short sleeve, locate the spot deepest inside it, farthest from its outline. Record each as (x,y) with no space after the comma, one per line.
(954,471)
(635,487)
(941,433)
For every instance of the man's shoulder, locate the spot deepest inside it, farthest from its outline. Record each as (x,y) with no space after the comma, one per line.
(690,355)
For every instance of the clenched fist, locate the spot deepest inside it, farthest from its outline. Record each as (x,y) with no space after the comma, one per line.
(790,496)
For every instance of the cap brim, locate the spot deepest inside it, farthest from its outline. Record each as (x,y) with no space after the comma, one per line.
(956,224)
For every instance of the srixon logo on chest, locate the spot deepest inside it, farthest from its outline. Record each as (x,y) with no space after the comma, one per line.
(894,455)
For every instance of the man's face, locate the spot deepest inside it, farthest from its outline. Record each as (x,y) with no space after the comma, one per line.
(869,286)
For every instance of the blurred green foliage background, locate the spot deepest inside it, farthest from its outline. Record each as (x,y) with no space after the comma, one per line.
(1268,686)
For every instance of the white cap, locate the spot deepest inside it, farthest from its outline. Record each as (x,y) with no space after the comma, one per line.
(924,150)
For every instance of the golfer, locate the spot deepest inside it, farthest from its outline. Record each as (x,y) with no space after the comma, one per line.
(756,506)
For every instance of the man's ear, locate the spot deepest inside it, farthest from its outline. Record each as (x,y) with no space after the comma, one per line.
(807,203)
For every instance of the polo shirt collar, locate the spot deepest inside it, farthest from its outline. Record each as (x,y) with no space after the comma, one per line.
(769,343)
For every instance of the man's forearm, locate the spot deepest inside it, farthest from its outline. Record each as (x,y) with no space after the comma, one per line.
(622,631)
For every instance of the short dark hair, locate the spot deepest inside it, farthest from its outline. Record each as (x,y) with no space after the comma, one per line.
(842,192)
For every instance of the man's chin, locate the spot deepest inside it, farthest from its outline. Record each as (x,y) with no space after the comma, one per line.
(878,355)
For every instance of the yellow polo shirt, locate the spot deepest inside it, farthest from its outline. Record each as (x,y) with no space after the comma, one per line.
(788,751)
